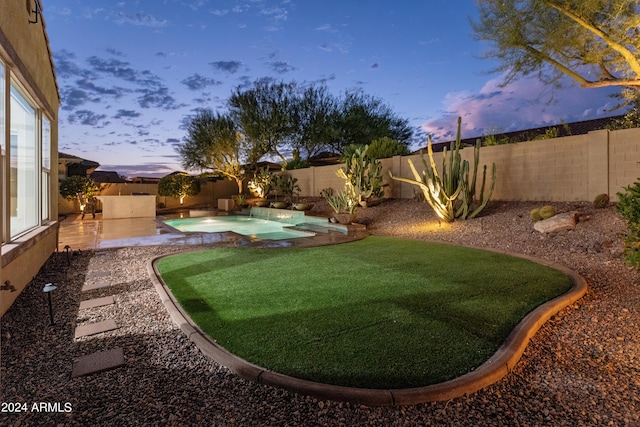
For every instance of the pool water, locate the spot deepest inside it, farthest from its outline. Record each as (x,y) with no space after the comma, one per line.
(248,226)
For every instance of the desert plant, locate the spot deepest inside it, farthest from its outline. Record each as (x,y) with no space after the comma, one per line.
(288,185)
(260,184)
(535,214)
(451,194)
(241,200)
(549,133)
(276,185)
(341,201)
(601,201)
(362,176)
(547,212)
(629,206)
(491,139)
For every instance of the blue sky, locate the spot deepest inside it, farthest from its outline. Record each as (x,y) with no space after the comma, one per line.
(131,71)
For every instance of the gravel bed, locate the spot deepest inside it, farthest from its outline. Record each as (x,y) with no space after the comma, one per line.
(581,368)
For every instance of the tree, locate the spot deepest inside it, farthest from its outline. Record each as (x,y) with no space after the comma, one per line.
(83,190)
(314,111)
(594,42)
(265,115)
(214,143)
(178,185)
(361,118)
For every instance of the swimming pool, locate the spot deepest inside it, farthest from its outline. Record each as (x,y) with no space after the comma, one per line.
(248,226)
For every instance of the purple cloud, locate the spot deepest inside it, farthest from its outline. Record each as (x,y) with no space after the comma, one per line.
(524,104)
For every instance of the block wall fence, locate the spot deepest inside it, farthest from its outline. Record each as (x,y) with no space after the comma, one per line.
(572,168)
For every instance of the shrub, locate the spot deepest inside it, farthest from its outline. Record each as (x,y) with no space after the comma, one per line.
(297,163)
(386,147)
(601,201)
(547,212)
(535,214)
(629,206)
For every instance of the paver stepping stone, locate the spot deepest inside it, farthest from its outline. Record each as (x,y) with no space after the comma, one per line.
(97,302)
(92,286)
(97,362)
(96,328)
(96,274)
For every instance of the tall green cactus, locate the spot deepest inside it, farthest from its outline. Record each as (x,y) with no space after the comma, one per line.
(363,177)
(451,194)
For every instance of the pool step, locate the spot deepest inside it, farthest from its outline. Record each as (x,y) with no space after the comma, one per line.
(324,228)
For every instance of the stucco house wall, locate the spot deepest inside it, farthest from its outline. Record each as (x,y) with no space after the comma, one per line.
(25,57)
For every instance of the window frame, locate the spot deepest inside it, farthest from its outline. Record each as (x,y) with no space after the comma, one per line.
(27,158)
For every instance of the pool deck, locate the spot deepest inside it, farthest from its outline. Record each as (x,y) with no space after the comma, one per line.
(99,233)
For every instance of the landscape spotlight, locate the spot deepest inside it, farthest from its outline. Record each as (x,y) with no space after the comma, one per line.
(49,287)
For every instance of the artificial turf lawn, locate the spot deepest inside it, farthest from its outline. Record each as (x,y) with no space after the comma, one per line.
(376,313)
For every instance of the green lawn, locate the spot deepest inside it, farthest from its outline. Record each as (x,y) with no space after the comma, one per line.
(377,313)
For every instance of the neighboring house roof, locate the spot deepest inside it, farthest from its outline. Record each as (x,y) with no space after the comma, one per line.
(76,166)
(110,177)
(260,165)
(324,158)
(70,158)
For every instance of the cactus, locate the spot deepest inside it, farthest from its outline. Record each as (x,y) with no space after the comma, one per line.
(535,214)
(547,212)
(470,192)
(362,176)
(442,192)
(601,201)
(340,201)
(260,185)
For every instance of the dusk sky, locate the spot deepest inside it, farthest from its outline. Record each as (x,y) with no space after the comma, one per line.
(129,72)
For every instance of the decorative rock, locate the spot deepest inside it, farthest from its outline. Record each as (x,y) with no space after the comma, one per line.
(560,222)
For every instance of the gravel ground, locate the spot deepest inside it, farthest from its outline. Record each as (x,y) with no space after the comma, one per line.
(581,368)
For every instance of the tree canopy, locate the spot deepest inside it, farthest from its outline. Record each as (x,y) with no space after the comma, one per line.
(214,143)
(178,185)
(78,187)
(82,189)
(313,123)
(594,42)
(362,118)
(264,112)
(278,117)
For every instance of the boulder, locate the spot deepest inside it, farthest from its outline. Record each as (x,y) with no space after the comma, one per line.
(560,222)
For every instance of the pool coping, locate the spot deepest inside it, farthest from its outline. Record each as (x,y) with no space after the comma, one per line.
(495,368)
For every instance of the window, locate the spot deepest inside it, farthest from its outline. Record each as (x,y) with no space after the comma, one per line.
(46,167)
(2,112)
(23,194)
(3,228)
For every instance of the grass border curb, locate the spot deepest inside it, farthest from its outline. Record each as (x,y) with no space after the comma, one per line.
(491,371)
